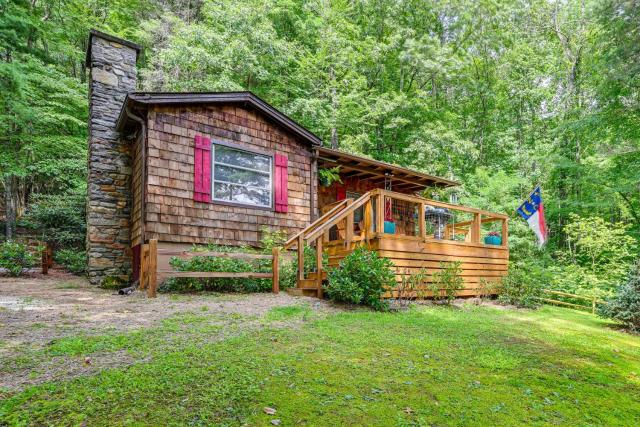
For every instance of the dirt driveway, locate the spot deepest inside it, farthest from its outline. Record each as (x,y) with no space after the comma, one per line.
(37,310)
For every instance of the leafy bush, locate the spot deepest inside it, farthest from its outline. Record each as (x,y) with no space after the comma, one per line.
(272,238)
(447,282)
(521,287)
(15,257)
(361,278)
(74,261)
(625,305)
(60,219)
(219,264)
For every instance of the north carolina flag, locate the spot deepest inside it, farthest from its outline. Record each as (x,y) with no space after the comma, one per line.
(533,211)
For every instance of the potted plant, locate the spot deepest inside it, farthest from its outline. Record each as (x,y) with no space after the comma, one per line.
(493,238)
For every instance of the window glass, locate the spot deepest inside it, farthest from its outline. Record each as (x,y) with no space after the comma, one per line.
(233,157)
(241,176)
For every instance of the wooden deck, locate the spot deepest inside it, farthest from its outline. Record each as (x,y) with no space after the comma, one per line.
(416,245)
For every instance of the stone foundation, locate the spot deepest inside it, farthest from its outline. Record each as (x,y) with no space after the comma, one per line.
(112,65)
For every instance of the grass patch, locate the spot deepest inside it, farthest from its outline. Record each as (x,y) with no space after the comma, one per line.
(289,312)
(426,366)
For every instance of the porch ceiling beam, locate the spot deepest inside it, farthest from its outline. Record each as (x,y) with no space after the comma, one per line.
(382,177)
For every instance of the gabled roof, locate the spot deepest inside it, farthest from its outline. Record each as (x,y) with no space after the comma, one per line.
(376,171)
(143,99)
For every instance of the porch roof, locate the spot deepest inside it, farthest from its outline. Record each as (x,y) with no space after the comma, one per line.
(376,171)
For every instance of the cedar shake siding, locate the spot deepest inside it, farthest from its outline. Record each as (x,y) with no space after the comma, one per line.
(172,214)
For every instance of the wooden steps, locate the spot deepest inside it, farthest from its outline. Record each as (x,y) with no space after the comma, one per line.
(303,292)
(307,287)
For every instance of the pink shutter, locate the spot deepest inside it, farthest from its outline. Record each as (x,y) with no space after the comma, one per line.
(202,170)
(281,179)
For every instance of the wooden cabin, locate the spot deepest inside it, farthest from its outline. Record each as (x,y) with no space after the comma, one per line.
(195,168)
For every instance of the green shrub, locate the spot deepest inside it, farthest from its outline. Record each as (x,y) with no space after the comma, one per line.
(72,260)
(521,287)
(218,264)
(15,257)
(361,278)
(60,219)
(625,305)
(447,282)
(272,239)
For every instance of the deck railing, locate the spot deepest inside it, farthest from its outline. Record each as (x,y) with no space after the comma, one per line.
(413,216)
(388,213)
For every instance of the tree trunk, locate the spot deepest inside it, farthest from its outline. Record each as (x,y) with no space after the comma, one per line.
(9,206)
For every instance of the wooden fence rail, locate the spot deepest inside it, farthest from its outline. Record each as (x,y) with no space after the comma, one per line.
(149,267)
(593,300)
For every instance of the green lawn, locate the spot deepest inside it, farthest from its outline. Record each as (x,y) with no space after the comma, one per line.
(428,366)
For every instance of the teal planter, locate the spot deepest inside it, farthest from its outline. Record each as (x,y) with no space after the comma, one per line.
(390,227)
(493,240)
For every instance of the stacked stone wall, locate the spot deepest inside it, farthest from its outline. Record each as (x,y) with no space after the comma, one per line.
(112,68)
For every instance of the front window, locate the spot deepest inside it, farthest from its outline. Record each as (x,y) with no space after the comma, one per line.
(241,176)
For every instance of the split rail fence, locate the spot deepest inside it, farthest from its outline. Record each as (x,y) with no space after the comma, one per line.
(592,300)
(149,271)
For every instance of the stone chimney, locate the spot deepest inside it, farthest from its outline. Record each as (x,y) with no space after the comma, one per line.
(112,67)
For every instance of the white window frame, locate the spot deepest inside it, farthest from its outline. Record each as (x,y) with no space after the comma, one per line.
(255,153)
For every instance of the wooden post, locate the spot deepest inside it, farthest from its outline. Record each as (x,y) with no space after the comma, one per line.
(153,268)
(380,214)
(46,259)
(319,266)
(505,232)
(422,226)
(475,228)
(275,270)
(368,221)
(348,234)
(144,265)
(300,258)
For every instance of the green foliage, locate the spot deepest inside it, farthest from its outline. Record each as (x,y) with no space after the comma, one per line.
(218,264)
(74,261)
(15,257)
(624,306)
(446,282)
(328,176)
(59,219)
(597,257)
(523,286)
(361,278)
(113,282)
(272,238)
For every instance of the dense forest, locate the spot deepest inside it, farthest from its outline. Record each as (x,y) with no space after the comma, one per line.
(500,95)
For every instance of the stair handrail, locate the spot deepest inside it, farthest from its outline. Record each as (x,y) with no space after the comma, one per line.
(339,216)
(316,223)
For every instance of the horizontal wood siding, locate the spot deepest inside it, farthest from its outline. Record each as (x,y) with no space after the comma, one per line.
(411,255)
(171,213)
